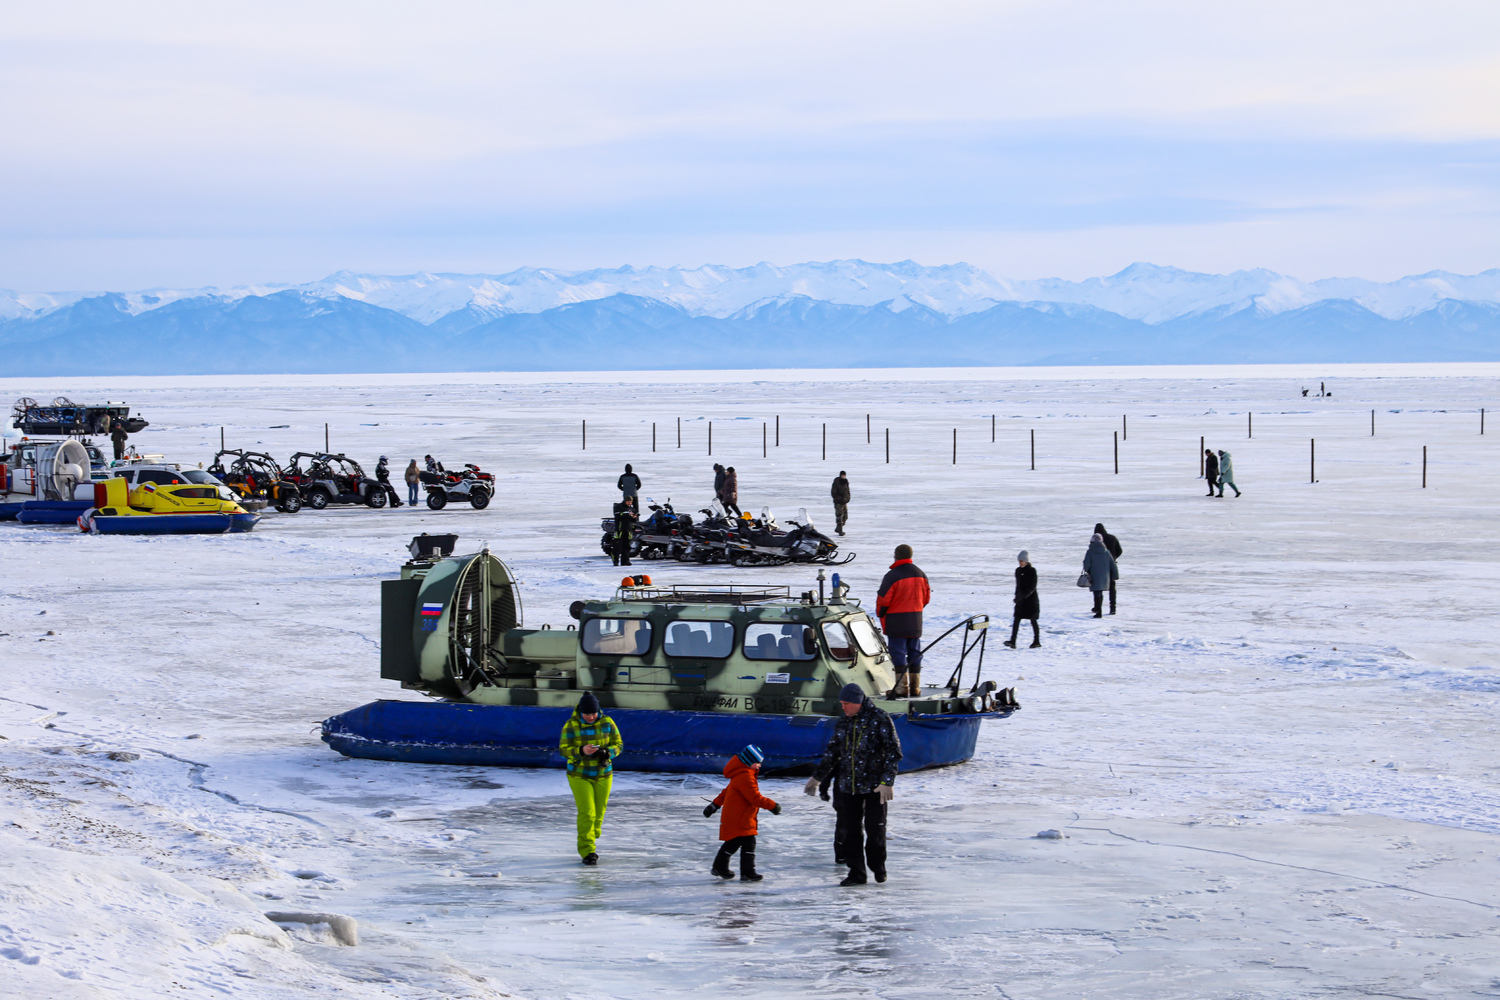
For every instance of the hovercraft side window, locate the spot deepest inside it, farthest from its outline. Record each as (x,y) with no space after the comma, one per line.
(865,635)
(788,641)
(617,636)
(840,645)
(710,639)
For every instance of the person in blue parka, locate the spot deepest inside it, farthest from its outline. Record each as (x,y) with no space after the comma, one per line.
(1102,570)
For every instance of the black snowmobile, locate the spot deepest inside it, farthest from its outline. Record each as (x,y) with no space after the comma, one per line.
(763,542)
(663,534)
(333,479)
(256,478)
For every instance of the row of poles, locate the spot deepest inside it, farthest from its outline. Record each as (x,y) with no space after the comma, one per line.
(1122,434)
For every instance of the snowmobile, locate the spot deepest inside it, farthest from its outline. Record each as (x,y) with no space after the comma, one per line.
(691,673)
(330,479)
(708,539)
(763,542)
(664,534)
(257,480)
(472,485)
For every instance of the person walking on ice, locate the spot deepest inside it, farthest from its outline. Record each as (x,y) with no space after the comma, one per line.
(840,494)
(629,485)
(1210,469)
(1115,549)
(862,759)
(742,803)
(413,482)
(904,592)
(590,743)
(1226,474)
(1102,571)
(1028,606)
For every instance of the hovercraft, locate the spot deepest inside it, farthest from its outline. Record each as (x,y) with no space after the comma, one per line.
(690,673)
(156,509)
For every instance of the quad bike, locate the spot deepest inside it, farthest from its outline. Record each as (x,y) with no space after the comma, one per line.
(333,479)
(257,480)
(472,485)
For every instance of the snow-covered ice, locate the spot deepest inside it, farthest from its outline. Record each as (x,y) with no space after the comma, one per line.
(1272,774)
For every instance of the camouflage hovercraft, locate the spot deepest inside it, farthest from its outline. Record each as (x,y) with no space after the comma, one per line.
(690,673)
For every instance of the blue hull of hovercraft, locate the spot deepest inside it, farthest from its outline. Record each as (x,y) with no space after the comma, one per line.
(175,524)
(439,732)
(52,511)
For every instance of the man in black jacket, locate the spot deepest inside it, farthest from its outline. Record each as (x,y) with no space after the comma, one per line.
(1113,544)
(862,758)
(629,484)
(1210,469)
(840,493)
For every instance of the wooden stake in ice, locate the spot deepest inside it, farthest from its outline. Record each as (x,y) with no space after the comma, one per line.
(1033,449)
(825,442)
(1424,467)
(1312,460)
(585,436)
(710,437)
(955,446)
(762,439)
(887,446)
(653,436)
(1117,453)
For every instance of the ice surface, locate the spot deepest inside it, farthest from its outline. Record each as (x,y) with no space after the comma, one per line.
(1274,771)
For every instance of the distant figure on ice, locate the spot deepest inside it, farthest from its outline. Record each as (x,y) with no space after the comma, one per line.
(840,494)
(1210,469)
(413,482)
(904,592)
(1102,572)
(861,758)
(624,534)
(719,476)
(1113,544)
(731,498)
(383,477)
(590,742)
(742,803)
(629,484)
(1226,474)
(117,437)
(1028,605)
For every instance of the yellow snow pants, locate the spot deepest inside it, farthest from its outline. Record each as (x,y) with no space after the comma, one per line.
(592,796)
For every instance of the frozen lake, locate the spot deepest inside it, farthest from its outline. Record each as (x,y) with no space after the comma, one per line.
(1275,768)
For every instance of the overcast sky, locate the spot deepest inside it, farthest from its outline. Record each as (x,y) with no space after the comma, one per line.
(194,143)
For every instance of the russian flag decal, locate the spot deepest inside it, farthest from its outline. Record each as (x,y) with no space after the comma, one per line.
(432,609)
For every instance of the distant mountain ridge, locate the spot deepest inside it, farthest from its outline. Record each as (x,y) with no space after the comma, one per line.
(838,313)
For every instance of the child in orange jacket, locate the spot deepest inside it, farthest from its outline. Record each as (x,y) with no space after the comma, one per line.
(742,803)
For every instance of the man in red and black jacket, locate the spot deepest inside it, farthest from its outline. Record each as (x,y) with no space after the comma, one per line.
(903,594)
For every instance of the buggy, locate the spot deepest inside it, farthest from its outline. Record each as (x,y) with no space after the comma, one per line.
(330,479)
(257,480)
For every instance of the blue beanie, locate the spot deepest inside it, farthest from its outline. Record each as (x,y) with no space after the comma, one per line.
(852,693)
(751,755)
(588,704)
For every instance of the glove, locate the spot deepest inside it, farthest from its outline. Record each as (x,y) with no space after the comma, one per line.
(776,809)
(823,788)
(811,788)
(710,809)
(886,793)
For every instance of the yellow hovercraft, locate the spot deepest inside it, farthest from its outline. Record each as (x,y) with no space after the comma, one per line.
(158,509)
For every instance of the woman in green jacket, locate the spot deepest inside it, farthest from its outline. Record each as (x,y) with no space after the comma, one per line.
(590,742)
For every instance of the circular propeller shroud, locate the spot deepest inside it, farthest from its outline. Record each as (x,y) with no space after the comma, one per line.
(486,604)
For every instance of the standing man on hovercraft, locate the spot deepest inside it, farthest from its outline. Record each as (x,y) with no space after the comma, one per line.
(903,594)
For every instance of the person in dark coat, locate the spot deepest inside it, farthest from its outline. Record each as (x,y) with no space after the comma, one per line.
(1102,571)
(383,477)
(862,758)
(1210,469)
(117,436)
(840,494)
(731,498)
(904,592)
(629,485)
(1028,606)
(623,536)
(1113,544)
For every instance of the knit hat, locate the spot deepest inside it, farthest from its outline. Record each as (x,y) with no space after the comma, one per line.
(588,704)
(1024,556)
(852,693)
(751,755)
(1097,538)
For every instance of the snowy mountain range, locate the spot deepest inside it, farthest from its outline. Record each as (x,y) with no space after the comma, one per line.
(842,313)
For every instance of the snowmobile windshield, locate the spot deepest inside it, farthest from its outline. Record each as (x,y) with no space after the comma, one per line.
(701,639)
(866,636)
(781,641)
(617,636)
(840,644)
